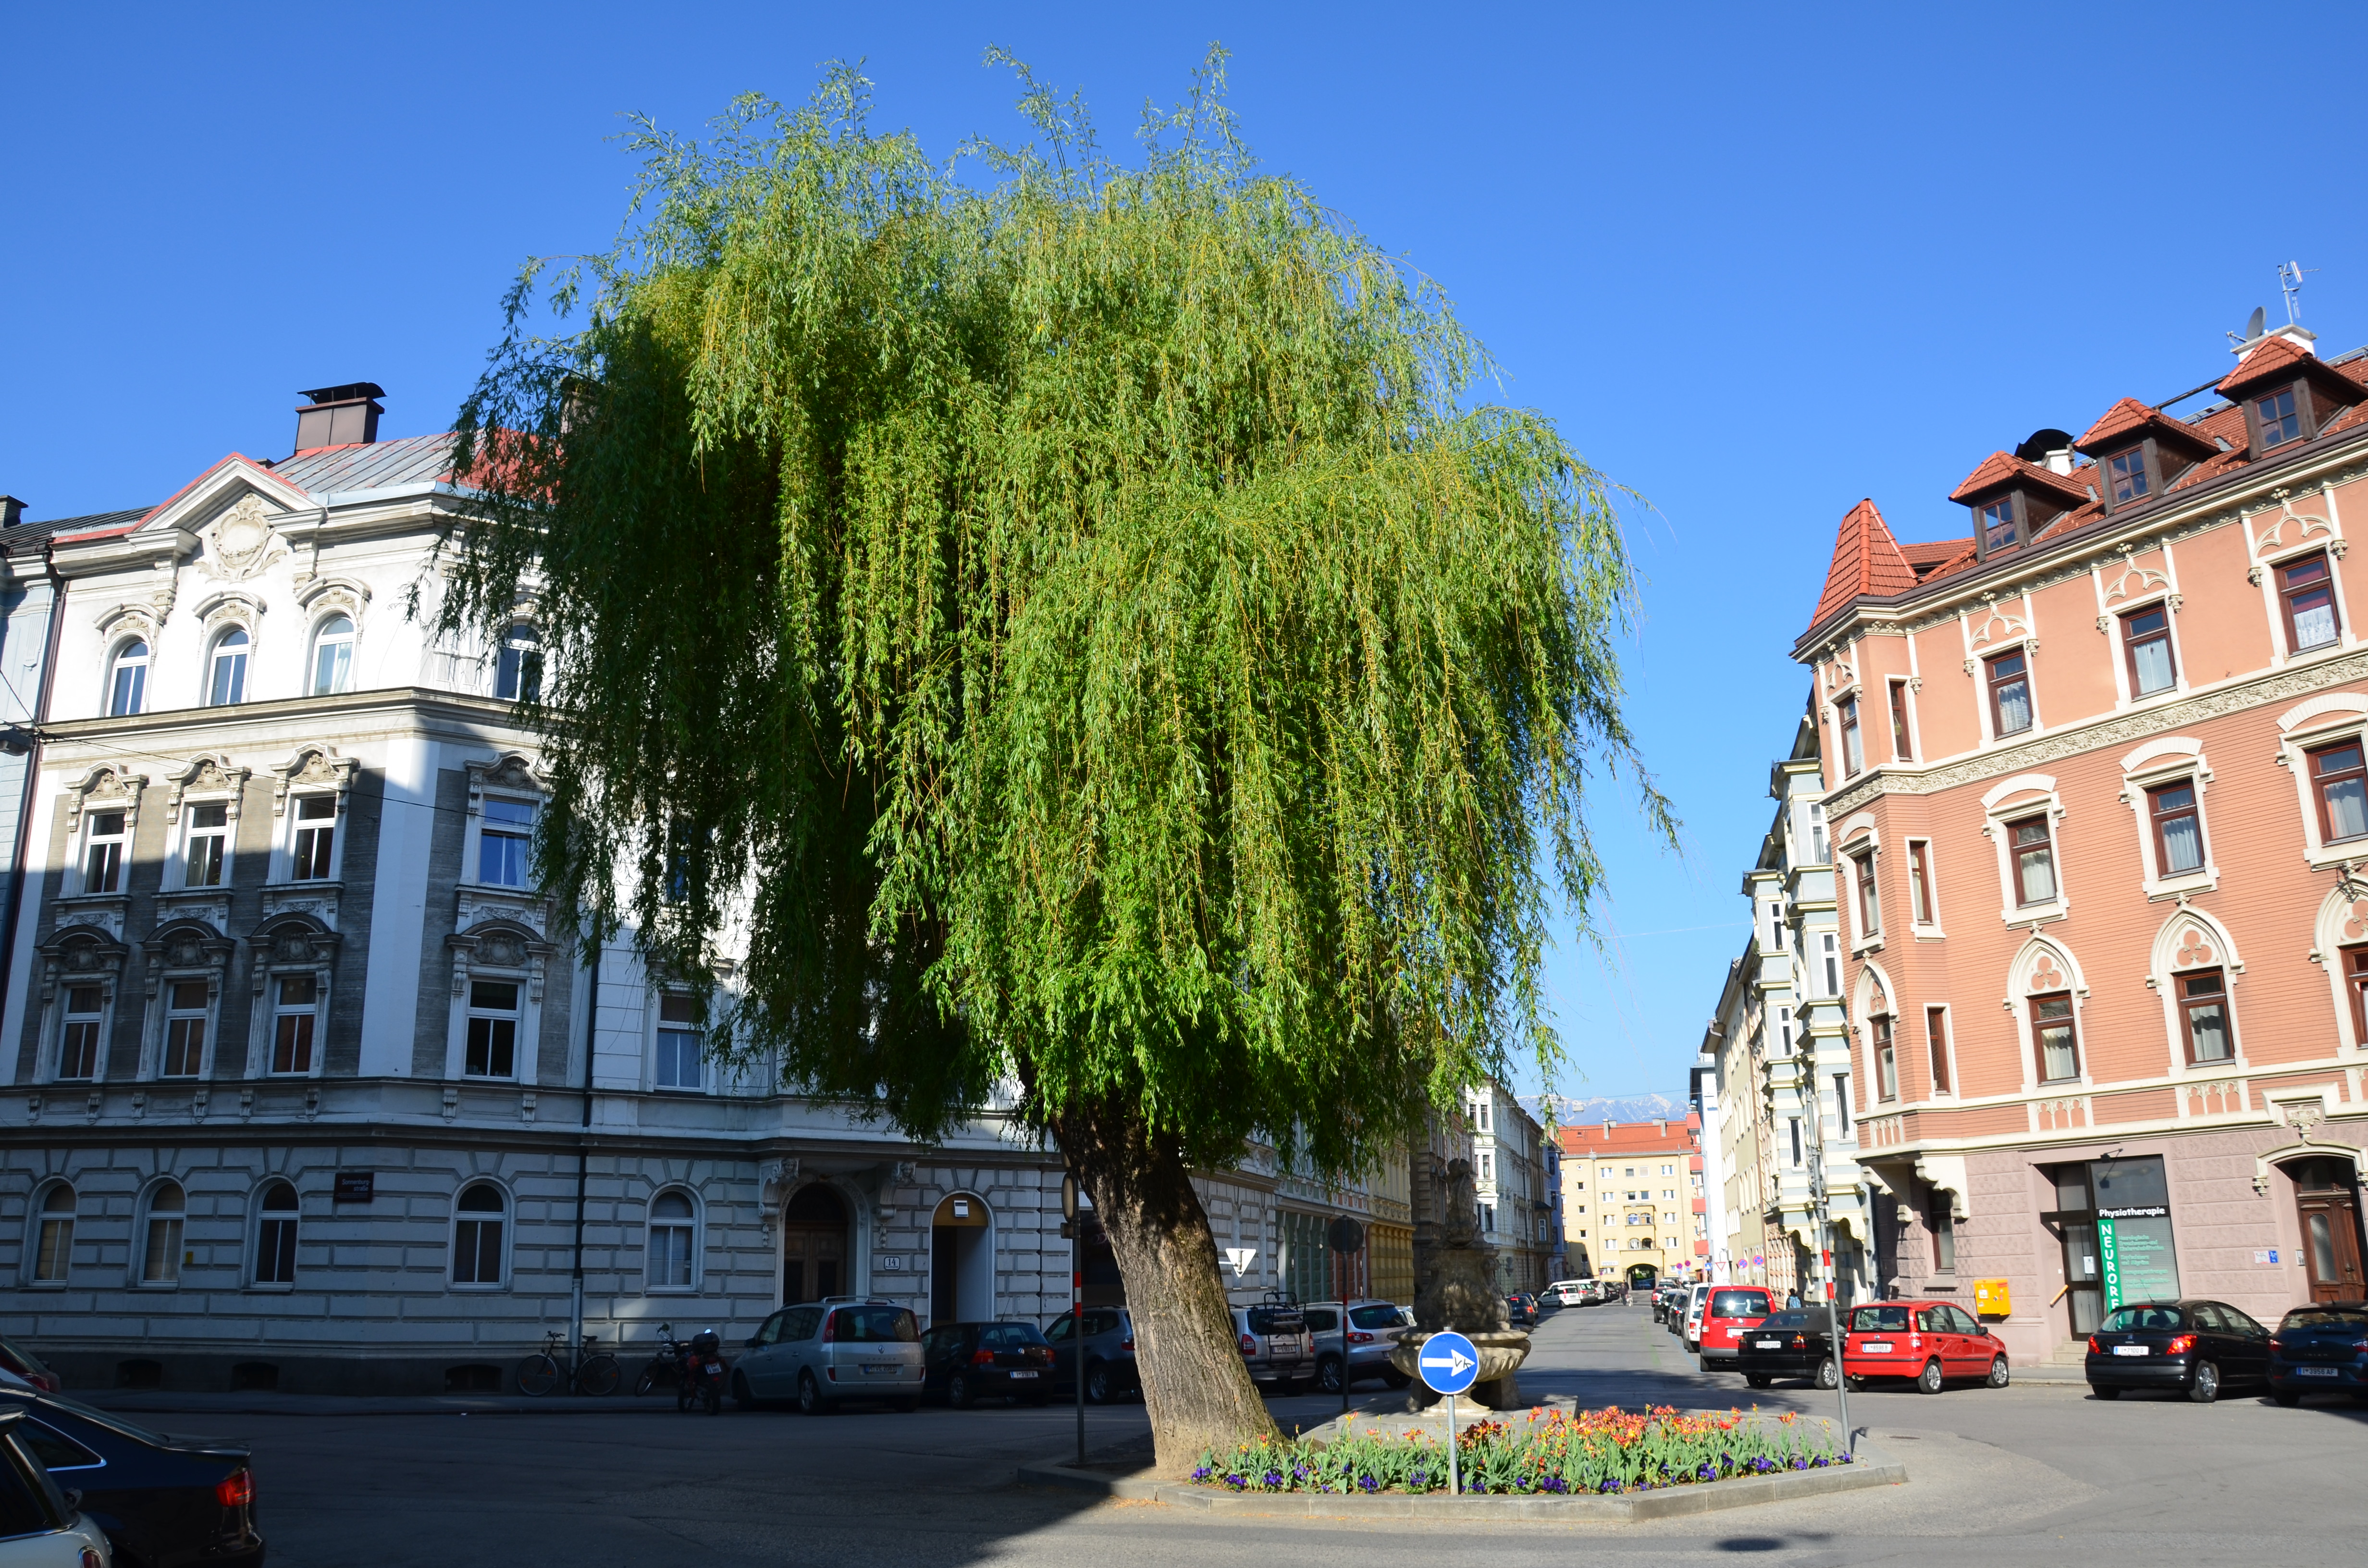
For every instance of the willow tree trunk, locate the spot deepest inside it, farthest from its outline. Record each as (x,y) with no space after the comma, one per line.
(1195,1387)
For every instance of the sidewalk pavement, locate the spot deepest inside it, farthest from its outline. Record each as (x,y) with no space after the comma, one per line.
(176,1402)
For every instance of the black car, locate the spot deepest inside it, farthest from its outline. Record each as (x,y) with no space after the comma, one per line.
(2322,1348)
(1110,1355)
(162,1501)
(1789,1344)
(970,1361)
(1520,1309)
(2196,1348)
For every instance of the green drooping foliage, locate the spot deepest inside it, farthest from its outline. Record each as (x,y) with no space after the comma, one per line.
(1065,626)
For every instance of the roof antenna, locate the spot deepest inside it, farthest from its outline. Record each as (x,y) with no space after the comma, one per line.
(2290,284)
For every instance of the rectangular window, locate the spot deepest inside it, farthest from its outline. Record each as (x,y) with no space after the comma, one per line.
(2281,420)
(678,1062)
(1919,882)
(184,1028)
(1870,897)
(1853,749)
(2306,592)
(1784,1027)
(1998,529)
(292,1023)
(1887,1060)
(102,865)
(316,832)
(502,844)
(2146,642)
(493,1030)
(2203,1013)
(2128,476)
(162,1263)
(1818,833)
(2034,860)
(78,1044)
(1902,749)
(208,839)
(2009,685)
(1943,1223)
(2178,830)
(1833,967)
(2342,785)
(1793,1123)
(1936,1041)
(2052,1030)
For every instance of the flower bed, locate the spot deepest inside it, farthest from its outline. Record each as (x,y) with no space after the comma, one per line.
(1549,1453)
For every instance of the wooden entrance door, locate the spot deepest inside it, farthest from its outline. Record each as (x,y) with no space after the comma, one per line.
(2330,1239)
(813,1246)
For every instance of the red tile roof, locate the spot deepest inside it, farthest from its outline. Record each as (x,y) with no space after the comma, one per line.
(1595,1140)
(2130,418)
(2275,356)
(1867,560)
(2005,468)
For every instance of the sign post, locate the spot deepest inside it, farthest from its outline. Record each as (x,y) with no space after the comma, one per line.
(1347,1239)
(1448,1363)
(1076,1303)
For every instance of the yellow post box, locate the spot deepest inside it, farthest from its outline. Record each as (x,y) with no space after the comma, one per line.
(1990,1299)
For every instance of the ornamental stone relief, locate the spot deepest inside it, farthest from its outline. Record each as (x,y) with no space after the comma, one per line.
(241,542)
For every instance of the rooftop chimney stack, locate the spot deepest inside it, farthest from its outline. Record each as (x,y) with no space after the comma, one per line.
(12,511)
(339,416)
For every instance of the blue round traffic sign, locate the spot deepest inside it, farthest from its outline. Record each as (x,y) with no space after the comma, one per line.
(1449,1361)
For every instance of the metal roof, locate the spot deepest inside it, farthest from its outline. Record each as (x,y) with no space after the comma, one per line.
(29,530)
(369,465)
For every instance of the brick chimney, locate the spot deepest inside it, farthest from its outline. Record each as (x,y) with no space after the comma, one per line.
(12,511)
(339,416)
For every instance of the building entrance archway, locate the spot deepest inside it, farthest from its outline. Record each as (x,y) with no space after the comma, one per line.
(2326,1202)
(961,1261)
(813,1246)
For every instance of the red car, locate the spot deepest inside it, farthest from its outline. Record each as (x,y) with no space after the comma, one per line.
(1929,1341)
(1730,1309)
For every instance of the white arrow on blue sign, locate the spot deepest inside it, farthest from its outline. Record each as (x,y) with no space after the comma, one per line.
(1449,1361)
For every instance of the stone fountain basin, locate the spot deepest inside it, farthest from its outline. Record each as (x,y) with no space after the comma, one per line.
(1500,1350)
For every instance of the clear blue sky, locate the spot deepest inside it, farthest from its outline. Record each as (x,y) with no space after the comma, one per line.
(1757,261)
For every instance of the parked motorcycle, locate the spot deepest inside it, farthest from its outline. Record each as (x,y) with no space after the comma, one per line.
(703,1371)
(666,1368)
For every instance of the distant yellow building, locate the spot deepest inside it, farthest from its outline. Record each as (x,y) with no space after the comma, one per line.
(1633,1199)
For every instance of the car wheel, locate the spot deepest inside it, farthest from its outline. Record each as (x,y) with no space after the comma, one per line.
(1929,1379)
(2203,1387)
(742,1398)
(1998,1373)
(1327,1375)
(1758,1380)
(1396,1379)
(1098,1382)
(810,1399)
(959,1395)
(2286,1400)
(1827,1373)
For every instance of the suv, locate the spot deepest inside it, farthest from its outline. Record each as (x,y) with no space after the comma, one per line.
(1110,1355)
(1733,1309)
(1372,1331)
(1275,1345)
(829,1351)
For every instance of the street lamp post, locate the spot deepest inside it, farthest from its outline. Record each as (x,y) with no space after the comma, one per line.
(1833,1296)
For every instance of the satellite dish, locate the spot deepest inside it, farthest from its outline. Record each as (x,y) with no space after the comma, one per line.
(2253,323)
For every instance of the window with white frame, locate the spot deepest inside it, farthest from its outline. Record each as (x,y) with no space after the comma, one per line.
(518,670)
(478,1222)
(492,1046)
(295,1014)
(205,843)
(105,834)
(160,1262)
(53,1234)
(126,685)
(311,855)
(679,1060)
(86,1010)
(186,1009)
(504,836)
(333,656)
(674,1227)
(275,1235)
(226,669)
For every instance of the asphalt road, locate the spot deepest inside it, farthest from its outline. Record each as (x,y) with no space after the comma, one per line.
(2030,1474)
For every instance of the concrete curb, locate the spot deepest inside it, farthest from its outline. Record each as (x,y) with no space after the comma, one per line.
(1872,1469)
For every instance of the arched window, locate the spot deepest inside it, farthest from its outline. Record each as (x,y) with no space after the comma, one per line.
(477,1235)
(275,1236)
(674,1225)
(160,1262)
(53,1241)
(227,682)
(519,675)
(127,687)
(333,656)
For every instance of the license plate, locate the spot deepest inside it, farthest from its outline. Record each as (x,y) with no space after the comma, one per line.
(871,1367)
(1023,1374)
(1770,1344)
(2132,1350)
(2316,1371)
(1877,1348)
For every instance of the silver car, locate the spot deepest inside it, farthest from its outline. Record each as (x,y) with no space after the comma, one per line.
(1696,1297)
(1275,1346)
(1371,1334)
(827,1352)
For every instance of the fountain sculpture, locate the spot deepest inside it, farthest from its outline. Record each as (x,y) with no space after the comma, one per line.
(1456,1288)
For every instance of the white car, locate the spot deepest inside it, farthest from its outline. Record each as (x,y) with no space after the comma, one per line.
(1566,1293)
(38,1527)
(1697,1298)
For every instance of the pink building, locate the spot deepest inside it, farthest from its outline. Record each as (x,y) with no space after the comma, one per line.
(2095,777)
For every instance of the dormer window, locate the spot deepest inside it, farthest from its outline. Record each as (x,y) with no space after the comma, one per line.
(1999,530)
(2279,421)
(2287,392)
(2128,476)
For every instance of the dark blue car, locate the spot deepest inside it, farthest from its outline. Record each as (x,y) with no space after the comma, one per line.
(2322,1348)
(164,1501)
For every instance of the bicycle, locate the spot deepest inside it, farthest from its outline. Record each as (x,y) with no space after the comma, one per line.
(666,1367)
(592,1372)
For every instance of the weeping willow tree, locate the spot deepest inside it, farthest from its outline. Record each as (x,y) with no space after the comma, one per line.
(1066,631)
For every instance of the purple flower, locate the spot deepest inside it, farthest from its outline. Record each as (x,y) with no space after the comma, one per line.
(1369,1483)
(1800,1463)
(1844,1459)
(1202,1473)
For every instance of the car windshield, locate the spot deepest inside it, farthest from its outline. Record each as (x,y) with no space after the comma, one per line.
(1374,1317)
(2123,1319)
(1275,1319)
(1009,1335)
(2324,1317)
(1879,1320)
(1739,1304)
(875,1326)
(1786,1320)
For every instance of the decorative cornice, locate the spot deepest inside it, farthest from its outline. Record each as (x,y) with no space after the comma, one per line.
(2119,730)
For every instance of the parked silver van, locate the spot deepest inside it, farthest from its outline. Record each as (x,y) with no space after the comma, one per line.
(824,1353)
(1275,1345)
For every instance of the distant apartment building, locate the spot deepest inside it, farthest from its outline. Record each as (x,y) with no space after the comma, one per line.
(1507,1168)
(1630,1192)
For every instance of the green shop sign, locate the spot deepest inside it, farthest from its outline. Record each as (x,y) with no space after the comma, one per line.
(2134,1248)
